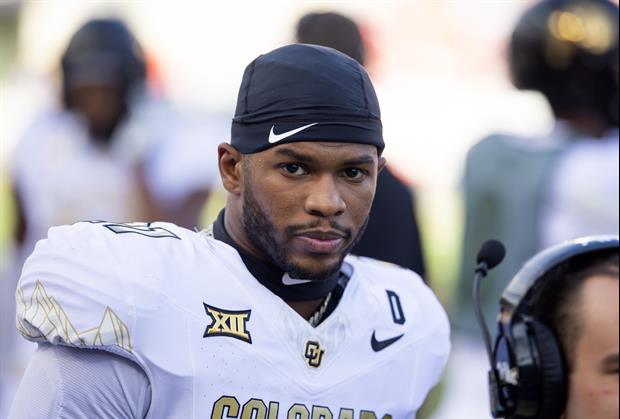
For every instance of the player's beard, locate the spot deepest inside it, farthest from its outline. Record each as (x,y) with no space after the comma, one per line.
(262,233)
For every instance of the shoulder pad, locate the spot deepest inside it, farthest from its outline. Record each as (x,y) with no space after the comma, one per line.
(428,317)
(82,285)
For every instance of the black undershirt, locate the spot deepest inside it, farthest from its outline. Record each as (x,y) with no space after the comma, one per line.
(271,276)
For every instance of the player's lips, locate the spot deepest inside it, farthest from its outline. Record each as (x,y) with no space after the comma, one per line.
(321,241)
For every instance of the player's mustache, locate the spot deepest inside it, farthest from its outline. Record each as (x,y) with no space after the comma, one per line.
(295,229)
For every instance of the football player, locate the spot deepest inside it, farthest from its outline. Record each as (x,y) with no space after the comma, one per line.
(264,315)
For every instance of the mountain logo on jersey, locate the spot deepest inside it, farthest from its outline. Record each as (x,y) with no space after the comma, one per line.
(228,323)
(313,354)
(43,318)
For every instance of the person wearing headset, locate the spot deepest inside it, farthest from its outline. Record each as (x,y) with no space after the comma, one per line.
(556,351)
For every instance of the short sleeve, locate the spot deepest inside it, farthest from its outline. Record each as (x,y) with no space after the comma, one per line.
(76,290)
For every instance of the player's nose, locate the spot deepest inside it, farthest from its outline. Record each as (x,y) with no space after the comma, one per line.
(325,199)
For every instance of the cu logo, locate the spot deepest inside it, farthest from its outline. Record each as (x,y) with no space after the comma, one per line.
(314,354)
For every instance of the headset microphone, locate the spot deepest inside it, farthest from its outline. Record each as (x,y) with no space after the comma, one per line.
(490,255)
(528,378)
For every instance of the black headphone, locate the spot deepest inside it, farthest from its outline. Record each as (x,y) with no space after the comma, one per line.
(527,377)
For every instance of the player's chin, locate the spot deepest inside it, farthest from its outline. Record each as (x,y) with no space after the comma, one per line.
(317,266)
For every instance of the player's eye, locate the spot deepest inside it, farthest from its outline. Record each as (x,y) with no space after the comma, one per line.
(294,169)
(353,173)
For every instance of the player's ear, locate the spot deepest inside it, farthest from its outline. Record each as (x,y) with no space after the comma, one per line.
(229,162)
(381,164)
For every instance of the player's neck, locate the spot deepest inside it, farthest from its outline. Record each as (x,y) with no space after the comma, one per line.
(309,294)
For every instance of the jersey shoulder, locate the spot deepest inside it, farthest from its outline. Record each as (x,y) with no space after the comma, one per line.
(402,289)
(83,284)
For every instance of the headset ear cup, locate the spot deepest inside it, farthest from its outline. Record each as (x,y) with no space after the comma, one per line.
(552,370)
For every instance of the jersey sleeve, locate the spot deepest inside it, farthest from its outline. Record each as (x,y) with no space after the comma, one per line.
(65,382)
(80,288)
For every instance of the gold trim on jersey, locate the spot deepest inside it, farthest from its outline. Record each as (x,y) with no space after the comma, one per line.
(45,319)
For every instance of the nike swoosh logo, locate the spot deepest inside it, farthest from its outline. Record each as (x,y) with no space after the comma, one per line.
(274,138)
(379,345)
(287,280)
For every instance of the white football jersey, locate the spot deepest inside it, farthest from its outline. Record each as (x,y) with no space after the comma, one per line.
(63,177)
(582,195)
(215,343)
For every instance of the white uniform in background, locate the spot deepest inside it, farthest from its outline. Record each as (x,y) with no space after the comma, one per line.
(215,343)
(583,197)
(64,177)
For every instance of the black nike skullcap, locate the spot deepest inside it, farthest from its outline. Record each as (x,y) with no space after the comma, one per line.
(305,92)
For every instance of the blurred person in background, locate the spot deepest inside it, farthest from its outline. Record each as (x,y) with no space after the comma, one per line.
(113,151)
(531,193)
(392,234)
(104,155)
